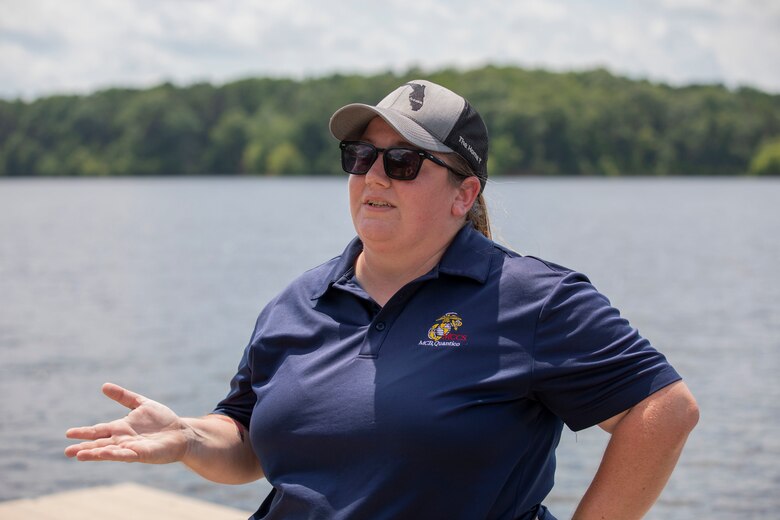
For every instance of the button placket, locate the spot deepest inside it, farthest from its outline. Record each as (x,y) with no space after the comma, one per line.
(383,321)
(375,335)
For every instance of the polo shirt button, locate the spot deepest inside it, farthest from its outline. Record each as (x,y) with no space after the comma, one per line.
(380,326)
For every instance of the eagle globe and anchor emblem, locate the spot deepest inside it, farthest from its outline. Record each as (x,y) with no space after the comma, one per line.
(444,328)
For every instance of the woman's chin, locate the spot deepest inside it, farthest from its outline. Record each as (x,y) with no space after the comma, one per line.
(377,233)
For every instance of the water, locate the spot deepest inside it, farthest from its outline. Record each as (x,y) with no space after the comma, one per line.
(155,284)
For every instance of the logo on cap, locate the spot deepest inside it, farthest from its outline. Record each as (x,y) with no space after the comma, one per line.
(416,96)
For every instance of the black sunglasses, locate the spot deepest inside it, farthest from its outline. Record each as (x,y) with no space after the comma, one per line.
(402,164)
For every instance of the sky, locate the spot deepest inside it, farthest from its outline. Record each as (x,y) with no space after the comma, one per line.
(79,46)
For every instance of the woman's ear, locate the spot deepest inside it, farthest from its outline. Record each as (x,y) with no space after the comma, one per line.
(468,191)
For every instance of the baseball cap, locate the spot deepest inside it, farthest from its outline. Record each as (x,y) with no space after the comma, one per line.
(427,115)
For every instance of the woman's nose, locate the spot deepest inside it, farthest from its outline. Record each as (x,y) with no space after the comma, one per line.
(376,174)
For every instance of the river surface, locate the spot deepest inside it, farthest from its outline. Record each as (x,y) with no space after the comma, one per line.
(155,284)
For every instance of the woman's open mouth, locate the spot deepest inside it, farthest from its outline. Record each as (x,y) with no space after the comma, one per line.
(378,204)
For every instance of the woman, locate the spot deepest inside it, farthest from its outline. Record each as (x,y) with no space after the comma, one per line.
(426,372)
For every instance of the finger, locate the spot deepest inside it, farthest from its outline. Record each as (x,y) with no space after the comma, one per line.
(112,453)
(72,451)
(123,396)
(81,432)
(98,431)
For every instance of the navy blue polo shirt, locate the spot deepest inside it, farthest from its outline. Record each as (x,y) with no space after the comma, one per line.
(448,402)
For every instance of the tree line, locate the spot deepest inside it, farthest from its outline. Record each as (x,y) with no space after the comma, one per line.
(540,122)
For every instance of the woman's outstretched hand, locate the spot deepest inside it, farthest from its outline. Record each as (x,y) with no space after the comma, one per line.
(150,433)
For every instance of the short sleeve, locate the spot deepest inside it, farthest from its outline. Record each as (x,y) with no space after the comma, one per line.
(240,401)
(589,363)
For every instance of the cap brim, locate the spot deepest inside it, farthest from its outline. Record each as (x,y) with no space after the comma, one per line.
(350,121)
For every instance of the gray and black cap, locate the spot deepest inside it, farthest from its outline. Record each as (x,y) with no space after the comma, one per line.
(427,115)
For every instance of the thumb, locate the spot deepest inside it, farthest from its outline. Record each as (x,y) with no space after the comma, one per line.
(123,396)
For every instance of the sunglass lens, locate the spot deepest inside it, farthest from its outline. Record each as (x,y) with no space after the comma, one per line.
(358,157)
(402,164)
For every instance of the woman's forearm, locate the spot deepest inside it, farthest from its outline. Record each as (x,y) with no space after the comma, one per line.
(645,446)
(219,450)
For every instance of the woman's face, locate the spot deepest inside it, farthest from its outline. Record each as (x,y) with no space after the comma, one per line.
(394,214)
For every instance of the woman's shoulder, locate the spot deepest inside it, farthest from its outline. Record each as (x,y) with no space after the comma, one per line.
(315,279)
(477,256)
(533,269)
(313,282)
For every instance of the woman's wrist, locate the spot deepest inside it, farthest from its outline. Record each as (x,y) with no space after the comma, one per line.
(195,439)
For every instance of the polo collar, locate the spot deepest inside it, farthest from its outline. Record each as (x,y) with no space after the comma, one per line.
(469,255)
(344,266)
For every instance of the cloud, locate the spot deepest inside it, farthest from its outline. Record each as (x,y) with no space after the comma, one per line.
(48,46)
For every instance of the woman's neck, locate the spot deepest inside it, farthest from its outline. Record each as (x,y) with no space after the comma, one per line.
(383,273)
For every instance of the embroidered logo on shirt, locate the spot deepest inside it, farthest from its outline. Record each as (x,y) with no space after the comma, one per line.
(443,333)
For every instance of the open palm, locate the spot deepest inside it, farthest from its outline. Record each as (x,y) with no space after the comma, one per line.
(150,433)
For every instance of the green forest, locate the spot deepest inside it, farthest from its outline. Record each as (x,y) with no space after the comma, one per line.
(540,123)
